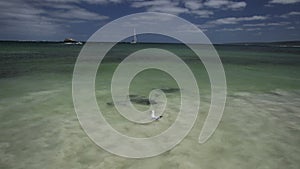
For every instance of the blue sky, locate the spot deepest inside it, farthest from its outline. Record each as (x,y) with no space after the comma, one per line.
(222,21)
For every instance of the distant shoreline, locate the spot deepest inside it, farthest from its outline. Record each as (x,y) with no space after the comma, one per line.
(269,44)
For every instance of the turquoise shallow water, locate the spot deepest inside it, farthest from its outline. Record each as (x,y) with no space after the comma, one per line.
(39,129)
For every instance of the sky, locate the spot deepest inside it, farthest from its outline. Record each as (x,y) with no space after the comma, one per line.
(223,21)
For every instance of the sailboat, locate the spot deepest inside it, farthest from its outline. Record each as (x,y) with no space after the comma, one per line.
(134,37)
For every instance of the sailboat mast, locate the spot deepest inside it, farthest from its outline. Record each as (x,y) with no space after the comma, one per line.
(134,40)
(134,36)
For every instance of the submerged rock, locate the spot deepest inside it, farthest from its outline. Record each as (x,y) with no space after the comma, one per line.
(170,90)
(110,103)
(141,100)
(136,99)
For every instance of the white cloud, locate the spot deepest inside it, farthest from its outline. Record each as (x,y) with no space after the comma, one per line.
(287,15)
(254,24)
(225,4)
(230,29)
(235,20)
(168,9)
(231,21)
(102,1)
(237,29)
(253,29)
(33,20)
(61,9)
(140,4)
(278,23)
(188,28)
(237,5)
(25,21)
(216,3)
(85,1)
(77,14)
(193,5)
(202,13)
(145,20)
(149,18)
(267,24)
(284,1)
(165,6)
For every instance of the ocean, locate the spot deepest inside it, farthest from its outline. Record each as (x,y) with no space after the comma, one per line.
(260,127)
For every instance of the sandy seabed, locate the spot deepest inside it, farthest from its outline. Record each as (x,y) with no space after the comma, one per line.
(260,126)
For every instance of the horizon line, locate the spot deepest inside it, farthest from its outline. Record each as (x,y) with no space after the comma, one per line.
(242,42)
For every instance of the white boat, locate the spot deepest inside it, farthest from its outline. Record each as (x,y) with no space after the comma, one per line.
(70,41)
